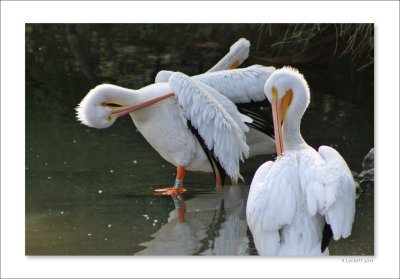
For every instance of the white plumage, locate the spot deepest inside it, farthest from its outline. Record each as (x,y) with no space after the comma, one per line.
(291,199)
(238,52)
(241,85)
(163,123)
(216,118)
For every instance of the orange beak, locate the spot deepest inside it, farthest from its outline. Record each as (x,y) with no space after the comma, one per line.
(128,109)
(279,109)
(235,65)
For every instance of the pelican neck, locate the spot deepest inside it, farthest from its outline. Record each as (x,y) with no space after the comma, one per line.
(125,96)
(292,138)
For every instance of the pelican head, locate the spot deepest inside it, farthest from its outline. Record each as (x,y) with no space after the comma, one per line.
(96,108)
(105,103)
(283,82)
(289,95)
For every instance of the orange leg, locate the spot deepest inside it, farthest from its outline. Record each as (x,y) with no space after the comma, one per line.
(180,207)
(178,185)
(175,193)
(218,180)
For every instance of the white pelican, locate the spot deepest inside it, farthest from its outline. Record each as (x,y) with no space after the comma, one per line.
(291,199)
(238,53)
(192,122)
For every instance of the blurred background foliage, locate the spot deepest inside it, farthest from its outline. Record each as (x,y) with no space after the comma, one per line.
(71,56)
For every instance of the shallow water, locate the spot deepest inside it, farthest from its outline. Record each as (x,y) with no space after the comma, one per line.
(89,192)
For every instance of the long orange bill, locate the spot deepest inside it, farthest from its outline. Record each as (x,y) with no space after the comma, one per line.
(279,110)
(277,119)
(128,109)
(235,65)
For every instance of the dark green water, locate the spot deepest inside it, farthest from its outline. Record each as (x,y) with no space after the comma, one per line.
(89,192)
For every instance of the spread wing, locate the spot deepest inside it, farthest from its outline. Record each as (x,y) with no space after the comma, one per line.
(241,85)
(216,119)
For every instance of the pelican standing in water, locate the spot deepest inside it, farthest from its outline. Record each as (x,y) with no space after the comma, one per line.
(299,201)
(192,122)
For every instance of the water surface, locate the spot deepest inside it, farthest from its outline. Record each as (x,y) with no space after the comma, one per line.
(89,192)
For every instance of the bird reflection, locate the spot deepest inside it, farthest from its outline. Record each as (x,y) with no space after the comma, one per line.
(180,207)
(208,223)
(179,203)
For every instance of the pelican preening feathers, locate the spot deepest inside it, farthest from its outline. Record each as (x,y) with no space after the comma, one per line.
(296,203)
(192,122)
(206,101)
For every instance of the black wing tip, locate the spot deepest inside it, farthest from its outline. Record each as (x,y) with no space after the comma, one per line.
(326,237)
(219,172)
(262,118)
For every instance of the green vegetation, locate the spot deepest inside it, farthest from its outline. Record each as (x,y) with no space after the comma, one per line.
(340,40)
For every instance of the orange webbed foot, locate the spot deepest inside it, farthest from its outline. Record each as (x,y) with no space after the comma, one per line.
(170,191)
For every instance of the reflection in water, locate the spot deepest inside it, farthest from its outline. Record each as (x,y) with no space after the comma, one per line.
(89,192)
(179,203)
(214,225)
